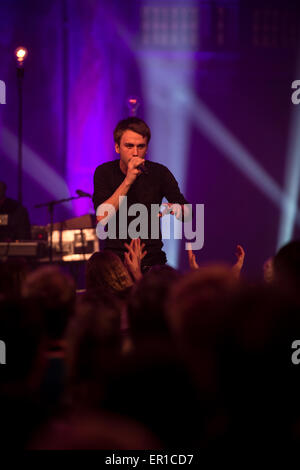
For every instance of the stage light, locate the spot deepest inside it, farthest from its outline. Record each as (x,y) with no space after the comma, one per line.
(289,213)
(133,103)
(170,27)
(162,81)
(274,27)
(239,156)
(21,54)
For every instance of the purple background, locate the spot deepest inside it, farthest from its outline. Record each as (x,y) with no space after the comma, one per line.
(86,57)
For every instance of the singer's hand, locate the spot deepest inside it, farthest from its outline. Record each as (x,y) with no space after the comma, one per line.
(132,169)
(170,208)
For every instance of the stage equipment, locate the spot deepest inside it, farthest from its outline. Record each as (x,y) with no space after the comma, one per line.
(50,206)
(23,249)
(74,239)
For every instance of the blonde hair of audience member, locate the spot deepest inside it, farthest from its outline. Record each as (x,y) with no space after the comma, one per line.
(106,272)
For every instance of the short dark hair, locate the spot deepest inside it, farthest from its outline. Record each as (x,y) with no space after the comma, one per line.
(287,263)
(134,124)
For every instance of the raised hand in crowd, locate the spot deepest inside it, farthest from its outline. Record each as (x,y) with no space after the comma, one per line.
(236,268)
(240,255)
(192,259)
(133,257)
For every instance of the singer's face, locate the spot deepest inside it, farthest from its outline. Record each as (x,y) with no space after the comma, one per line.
(131,145)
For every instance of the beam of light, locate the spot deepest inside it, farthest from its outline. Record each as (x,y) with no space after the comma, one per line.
(2,92)
(292,176)
(168,121)
(35,167)
(94,101)
(236,153)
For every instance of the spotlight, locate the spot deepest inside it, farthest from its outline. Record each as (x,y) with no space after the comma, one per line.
(21,54)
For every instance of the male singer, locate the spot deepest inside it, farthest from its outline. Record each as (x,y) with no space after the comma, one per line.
(141,181)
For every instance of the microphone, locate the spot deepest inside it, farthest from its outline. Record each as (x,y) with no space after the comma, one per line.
(142,167)
(82,193)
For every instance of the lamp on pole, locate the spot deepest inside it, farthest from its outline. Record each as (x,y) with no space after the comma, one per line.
(20,54)
(133,103)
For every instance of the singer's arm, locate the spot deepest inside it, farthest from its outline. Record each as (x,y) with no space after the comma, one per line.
(114,200)
(122,190)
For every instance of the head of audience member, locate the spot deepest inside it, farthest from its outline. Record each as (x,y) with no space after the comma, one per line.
(21,371)
(93,347)
(146,303)
(195,295)
(258,381)
(55,292)
(22,337)
(197,316)
(268,270)
(105,273)
(287,265)
(153,381)
(93,431)
(237,343)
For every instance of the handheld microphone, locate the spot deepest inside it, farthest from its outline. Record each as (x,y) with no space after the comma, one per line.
(142,167)
(82,193)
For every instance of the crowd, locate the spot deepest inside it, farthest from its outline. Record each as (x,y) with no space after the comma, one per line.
(152,360)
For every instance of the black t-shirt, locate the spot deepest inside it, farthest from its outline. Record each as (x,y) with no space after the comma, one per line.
(149,188)
(14,221)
